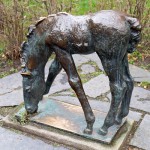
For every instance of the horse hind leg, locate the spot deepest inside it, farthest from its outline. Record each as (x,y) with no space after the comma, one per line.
(113,69)
(124,110)
(67,63)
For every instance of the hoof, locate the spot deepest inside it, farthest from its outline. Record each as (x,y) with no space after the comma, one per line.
(87,131)
(103,132)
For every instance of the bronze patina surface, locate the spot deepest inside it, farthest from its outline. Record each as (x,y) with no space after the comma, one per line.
(111,34)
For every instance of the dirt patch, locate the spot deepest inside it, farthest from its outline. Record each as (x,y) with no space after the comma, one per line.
(140,59)
(145,63)
(4,111)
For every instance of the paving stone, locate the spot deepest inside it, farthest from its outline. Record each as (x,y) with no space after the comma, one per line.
(47,67)
(97,105)
(11,140)
(140,99)
(87,68)
(60,83)
(141,138)
(1,117)
(97,86)
(139,74)
(10,82)
(94,57)
(11,99)
(79,59)
(65,93)
(136,116)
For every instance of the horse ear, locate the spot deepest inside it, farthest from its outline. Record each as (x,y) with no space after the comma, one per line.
(41,19)
(31,28)
(32,63)
(23,44)
(26,73)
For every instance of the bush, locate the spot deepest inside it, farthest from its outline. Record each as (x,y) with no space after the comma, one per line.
(17,15)
(12,28)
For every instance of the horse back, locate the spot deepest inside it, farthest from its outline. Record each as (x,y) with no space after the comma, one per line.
(110,32)
(110,19)
(71,33)
(77,34)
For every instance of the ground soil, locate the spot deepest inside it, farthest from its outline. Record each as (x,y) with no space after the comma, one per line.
(4,111)
(145,63)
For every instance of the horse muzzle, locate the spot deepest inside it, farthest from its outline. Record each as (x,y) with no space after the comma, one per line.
(31,109)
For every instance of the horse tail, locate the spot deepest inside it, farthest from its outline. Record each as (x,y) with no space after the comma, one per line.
(135,36)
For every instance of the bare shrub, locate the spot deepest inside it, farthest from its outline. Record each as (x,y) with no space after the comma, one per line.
(54,6)
(136,8)
(12,23)
(16,16)
(1,19)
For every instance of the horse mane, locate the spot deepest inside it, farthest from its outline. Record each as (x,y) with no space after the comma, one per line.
(24,46)
(32,27)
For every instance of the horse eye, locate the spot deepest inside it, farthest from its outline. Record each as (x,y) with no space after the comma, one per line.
(28,89)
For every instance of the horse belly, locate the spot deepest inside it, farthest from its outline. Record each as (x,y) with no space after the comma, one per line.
(80,42)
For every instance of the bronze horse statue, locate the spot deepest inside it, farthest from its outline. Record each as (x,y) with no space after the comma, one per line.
(111,34)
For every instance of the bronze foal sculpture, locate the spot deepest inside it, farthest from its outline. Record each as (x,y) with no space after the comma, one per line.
(111,34)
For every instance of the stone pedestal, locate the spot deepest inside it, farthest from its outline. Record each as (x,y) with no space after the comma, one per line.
(64,123)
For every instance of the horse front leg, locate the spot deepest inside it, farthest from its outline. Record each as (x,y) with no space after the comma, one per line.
(124,110)
(54,69)
(67,63)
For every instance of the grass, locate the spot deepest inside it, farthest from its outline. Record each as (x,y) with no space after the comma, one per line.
(86,77)
(4,74)
(144,84)
(136,55)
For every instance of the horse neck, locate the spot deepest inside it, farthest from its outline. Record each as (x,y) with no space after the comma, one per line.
(40,69)
(36,62)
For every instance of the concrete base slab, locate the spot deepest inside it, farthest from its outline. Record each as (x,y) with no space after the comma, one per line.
(67,132)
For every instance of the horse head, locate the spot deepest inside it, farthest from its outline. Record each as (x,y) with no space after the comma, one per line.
(33,90)
(35,54)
